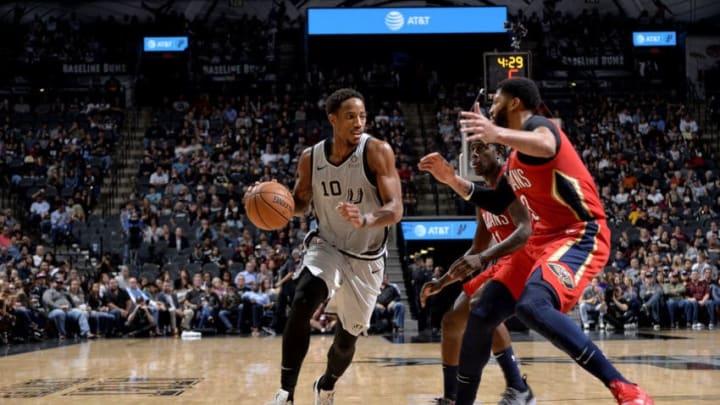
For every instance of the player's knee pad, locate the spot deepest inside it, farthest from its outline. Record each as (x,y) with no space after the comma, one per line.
(495,304)
(345,342)
(532,304)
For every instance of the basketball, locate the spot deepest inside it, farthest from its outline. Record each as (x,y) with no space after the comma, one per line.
(269,205)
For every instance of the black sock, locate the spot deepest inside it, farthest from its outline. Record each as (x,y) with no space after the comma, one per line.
(310,292)
(288,381)
(449,381)
(506,361)
(467,389)
(327,382)
(339,357)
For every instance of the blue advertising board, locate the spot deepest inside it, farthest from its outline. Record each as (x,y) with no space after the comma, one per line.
(165,44)
(654,38)
(406,20)
(438,230)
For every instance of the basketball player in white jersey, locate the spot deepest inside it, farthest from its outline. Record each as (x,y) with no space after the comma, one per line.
(351,184)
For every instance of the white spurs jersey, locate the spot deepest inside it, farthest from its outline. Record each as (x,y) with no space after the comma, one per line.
(351,181)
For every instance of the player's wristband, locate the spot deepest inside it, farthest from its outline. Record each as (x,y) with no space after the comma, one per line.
(470,193)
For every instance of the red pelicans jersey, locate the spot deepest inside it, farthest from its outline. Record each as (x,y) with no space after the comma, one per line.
(559,192)
(500,226)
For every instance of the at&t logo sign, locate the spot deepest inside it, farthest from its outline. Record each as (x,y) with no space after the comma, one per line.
(420,230)
(394,20)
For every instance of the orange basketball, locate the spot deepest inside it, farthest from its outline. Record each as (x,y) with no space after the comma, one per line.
(269,205)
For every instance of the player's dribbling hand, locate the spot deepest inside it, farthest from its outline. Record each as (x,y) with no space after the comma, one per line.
(351,213)
(475,123)
(251,188)
(465,266)
(429,289)
(436,165)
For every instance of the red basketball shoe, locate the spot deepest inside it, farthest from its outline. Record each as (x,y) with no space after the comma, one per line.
(629,394)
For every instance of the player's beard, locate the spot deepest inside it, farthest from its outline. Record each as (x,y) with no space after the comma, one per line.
(501,117)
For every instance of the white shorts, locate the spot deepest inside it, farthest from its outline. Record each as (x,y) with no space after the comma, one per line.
(353,284)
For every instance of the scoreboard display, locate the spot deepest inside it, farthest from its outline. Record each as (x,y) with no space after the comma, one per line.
(503,65)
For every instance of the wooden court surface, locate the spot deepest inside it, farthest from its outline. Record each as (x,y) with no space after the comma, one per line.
(234,370)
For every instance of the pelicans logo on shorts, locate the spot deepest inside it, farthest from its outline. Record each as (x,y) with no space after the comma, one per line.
(563,275)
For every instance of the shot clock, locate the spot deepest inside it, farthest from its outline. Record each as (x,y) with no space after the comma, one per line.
(503,65)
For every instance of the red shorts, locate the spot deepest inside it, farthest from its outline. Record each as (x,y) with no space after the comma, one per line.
(570,260)
(512,271)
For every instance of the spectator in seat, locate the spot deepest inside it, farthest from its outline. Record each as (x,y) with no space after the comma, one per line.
(171,309)
(147,167)
(61,221)
(688,127)
(60,310)
(196,300)
(650,294)
(229,307)
(153,196)
(99,312)
(40,212)
(136,293)
(204,231)
(674,293)
(217,258)
(140,322)
(592,302)
(18,310)
(634,270)
(159,178)
(698,295)
(123,277)
(388,302)
(250,275)
(618,310)
(711,304)
(178,241)
(118,302)
(702,263)
(259,302)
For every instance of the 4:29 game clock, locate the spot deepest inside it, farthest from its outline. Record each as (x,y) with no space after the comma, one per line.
(503,65)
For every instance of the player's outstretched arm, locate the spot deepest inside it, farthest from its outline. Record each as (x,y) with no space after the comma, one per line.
(443,172)
(302,193)
(540,142)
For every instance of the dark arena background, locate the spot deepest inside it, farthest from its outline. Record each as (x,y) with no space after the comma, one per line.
(131,130)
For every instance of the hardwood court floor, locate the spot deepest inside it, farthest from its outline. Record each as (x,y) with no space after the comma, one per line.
(682,367)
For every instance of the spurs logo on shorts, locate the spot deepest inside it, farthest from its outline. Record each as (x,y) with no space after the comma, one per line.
(562,274)
(357,328)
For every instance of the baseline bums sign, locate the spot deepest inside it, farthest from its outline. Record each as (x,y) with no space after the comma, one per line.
(406,20)
(438,230)
(655,38)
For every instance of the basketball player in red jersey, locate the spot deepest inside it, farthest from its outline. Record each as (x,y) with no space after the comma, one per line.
(569,246)
(496,236)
